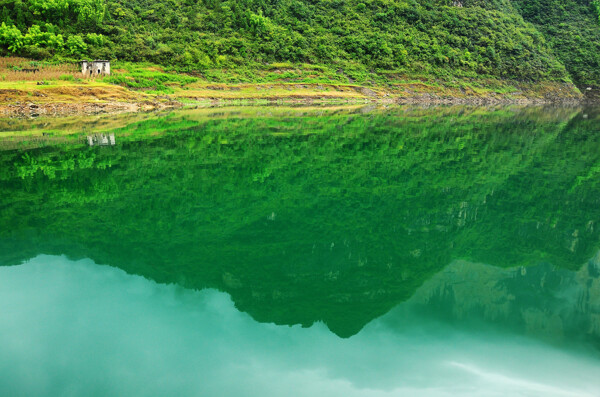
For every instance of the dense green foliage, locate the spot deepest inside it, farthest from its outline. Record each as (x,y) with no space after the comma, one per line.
(596,5)
(572,28)
(427,36)
(38,27)
(336,217)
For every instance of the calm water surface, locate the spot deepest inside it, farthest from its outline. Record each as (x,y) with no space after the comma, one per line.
(302,252)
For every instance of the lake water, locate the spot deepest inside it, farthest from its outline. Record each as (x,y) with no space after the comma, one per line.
(360,251)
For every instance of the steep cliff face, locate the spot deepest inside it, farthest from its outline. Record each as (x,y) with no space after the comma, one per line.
(572,30)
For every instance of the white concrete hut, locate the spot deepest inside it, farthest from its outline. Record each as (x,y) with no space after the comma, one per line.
(95,68)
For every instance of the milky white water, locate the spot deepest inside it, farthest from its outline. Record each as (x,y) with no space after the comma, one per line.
(78,328)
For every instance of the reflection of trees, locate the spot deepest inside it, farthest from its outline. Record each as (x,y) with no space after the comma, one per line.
(542,300)
(335,218)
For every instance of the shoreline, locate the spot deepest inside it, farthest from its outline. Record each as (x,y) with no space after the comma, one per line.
(58,109)
(91,97)
(28,132)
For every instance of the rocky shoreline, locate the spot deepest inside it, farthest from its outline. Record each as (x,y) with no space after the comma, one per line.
(108,99)
(32,109)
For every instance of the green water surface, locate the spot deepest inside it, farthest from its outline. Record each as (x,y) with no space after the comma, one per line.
(323,251)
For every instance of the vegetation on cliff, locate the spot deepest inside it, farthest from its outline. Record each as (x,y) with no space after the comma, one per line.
(572,30)
(465,39)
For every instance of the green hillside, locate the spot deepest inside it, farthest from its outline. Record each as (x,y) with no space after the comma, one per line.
(520,40)
(571,28)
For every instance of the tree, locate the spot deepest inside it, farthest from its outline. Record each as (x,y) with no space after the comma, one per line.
(5,16)
(76,45)
(89,11)
(11,37)
(34,36)
(83,11)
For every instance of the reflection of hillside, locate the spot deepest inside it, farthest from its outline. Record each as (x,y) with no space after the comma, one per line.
(335,218)
(540,300)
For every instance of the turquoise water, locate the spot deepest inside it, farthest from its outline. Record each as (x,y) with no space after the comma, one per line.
(368,252)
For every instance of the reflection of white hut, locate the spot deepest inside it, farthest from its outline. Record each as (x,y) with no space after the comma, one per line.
(101,140)
(95,68)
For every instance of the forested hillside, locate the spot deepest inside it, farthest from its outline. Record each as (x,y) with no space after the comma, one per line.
(572,29)
(513,39)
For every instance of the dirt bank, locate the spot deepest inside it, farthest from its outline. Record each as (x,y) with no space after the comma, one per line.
(30,100)
(32,109)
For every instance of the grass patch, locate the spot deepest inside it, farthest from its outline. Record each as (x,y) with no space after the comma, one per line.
(23,69)
(148,78)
